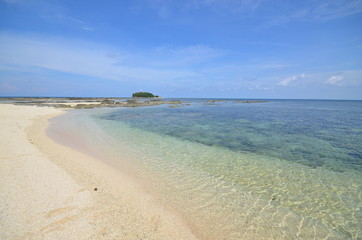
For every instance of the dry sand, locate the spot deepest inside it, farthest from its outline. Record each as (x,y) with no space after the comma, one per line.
(72,104)
(47,191)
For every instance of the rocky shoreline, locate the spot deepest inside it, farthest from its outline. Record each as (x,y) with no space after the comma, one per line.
(81,103)
(88,103)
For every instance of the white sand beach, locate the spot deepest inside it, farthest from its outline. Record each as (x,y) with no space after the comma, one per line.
(49,191)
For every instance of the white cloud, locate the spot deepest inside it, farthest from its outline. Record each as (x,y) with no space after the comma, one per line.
(335,80)
(348,78)
(289,80)
(171,66)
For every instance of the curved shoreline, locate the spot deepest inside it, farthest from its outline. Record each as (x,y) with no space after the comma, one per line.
(54,188)
(59,192)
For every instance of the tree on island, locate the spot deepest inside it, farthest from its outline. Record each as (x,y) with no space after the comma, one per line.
(143,95)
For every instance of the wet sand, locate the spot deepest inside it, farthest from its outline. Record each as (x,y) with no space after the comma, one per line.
(49,191)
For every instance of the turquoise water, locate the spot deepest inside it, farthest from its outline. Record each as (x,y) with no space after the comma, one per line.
(284,169)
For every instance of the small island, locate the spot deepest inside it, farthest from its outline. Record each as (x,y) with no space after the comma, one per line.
(144,95)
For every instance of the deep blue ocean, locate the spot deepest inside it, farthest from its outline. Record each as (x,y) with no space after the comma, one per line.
(280,169)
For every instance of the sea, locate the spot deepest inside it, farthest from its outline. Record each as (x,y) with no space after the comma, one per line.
(275,169)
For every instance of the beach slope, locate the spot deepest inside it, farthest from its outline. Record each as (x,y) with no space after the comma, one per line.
(49,191)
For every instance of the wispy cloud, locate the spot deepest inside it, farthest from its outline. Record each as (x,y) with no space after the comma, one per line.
(166,9)
(183,56)
(87,59)
(348,78)
(7,87)
(12,1)
(277,12)
(335,80)
(316,11)
(195,66)
(336,9)
(232,5)
(63,19)
(51,11)
(292,79)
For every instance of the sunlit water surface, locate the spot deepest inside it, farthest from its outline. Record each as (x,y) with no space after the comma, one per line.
(284,169)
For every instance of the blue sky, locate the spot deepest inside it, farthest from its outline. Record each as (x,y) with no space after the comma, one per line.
(182,48)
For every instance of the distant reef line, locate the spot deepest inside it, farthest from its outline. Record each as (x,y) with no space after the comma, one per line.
(98,102)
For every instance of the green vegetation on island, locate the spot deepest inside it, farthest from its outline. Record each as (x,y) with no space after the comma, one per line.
(143,95)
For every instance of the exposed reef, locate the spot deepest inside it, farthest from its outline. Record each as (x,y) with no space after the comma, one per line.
(87,103)
(218,101)
(253,101)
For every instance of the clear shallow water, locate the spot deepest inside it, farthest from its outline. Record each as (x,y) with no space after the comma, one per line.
(276,170)
(313,133)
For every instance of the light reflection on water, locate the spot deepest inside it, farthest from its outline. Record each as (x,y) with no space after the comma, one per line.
(314,133)
(276,170)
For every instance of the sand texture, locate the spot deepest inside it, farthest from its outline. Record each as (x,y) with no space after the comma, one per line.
(49,191)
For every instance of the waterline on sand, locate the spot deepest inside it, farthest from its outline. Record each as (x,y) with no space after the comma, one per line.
(228,194)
